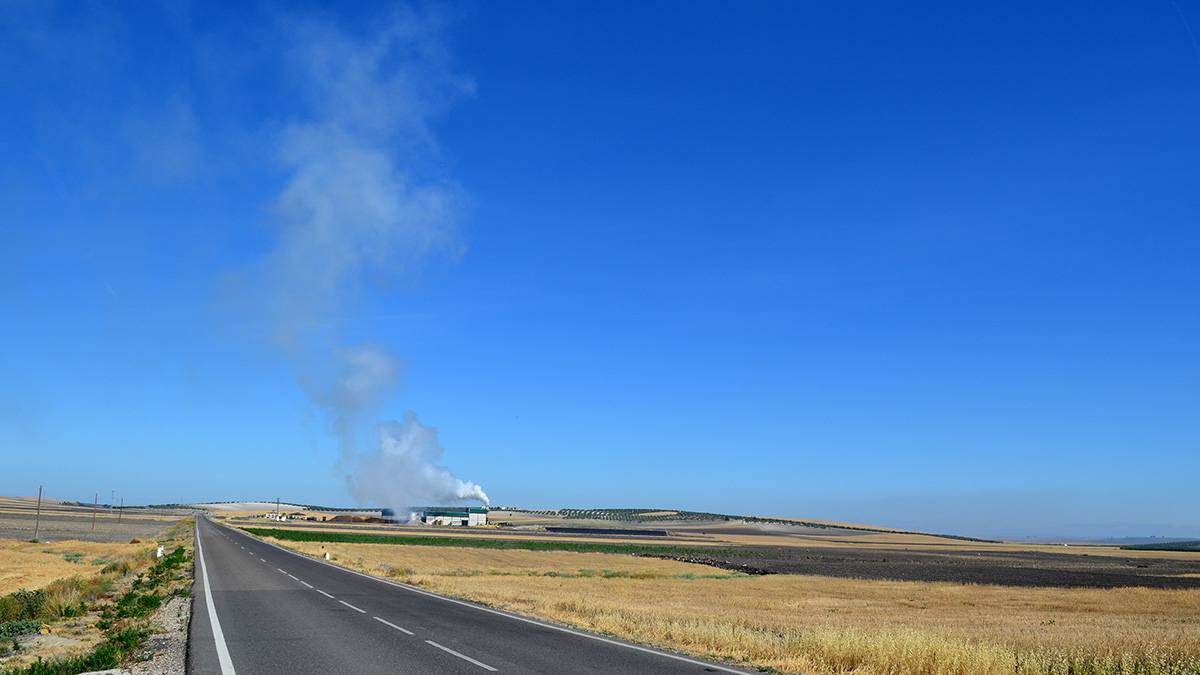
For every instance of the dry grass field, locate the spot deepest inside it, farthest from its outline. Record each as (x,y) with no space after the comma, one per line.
(813,624)
(27,565)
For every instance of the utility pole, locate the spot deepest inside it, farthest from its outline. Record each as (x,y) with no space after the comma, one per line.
(94,505)
(121,510)
(37,520)
(277,508)
(112,499)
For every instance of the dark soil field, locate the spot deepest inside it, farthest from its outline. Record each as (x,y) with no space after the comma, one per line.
(59,522)
(1003,568)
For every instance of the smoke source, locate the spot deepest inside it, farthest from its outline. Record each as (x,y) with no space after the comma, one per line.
(353,210)
(404,469)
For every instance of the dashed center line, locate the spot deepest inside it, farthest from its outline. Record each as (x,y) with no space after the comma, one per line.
(461,656)
(389,623)
(447,649)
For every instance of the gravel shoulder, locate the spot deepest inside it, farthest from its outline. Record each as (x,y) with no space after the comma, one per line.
(167,646)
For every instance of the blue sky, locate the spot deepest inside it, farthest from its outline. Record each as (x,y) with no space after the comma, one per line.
(923,265)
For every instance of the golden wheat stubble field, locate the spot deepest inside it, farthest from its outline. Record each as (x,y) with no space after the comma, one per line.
(812,624)
(30,566)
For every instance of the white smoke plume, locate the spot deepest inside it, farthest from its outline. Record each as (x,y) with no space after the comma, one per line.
(357,214)
(405,470)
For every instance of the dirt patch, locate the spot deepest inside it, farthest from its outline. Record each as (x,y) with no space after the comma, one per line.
(1004,568)
(361,519)
(72,639)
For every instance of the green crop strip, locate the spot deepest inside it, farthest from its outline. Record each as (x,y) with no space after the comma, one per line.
(356,538)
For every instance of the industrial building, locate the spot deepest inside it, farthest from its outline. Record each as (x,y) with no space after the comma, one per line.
(462,516)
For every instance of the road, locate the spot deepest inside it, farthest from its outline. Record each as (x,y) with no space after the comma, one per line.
(262,610)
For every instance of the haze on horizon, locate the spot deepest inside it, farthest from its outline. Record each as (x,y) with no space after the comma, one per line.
(925,266)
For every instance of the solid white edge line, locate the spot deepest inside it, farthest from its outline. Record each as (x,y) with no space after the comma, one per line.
(323,593)
(218,635)
(461,656)
(516,617)
(360,611)
(389,623)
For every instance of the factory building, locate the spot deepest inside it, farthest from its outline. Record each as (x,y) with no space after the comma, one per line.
(462,516)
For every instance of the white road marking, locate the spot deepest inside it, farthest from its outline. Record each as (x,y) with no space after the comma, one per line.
(461,656)
(323,593)
(281,570)
(293,577)
(389,623)
(218,635)
(360,611)
(305,583)
(562,629)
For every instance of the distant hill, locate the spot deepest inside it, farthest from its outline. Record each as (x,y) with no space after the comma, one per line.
(664,515)
(270,505)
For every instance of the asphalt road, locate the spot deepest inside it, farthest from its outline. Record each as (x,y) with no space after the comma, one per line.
(261,610)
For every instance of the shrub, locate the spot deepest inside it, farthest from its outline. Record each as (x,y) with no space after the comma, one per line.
(9,608)
(136,605)
(14,628)
(30,604)
(122,566)
(98,587)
